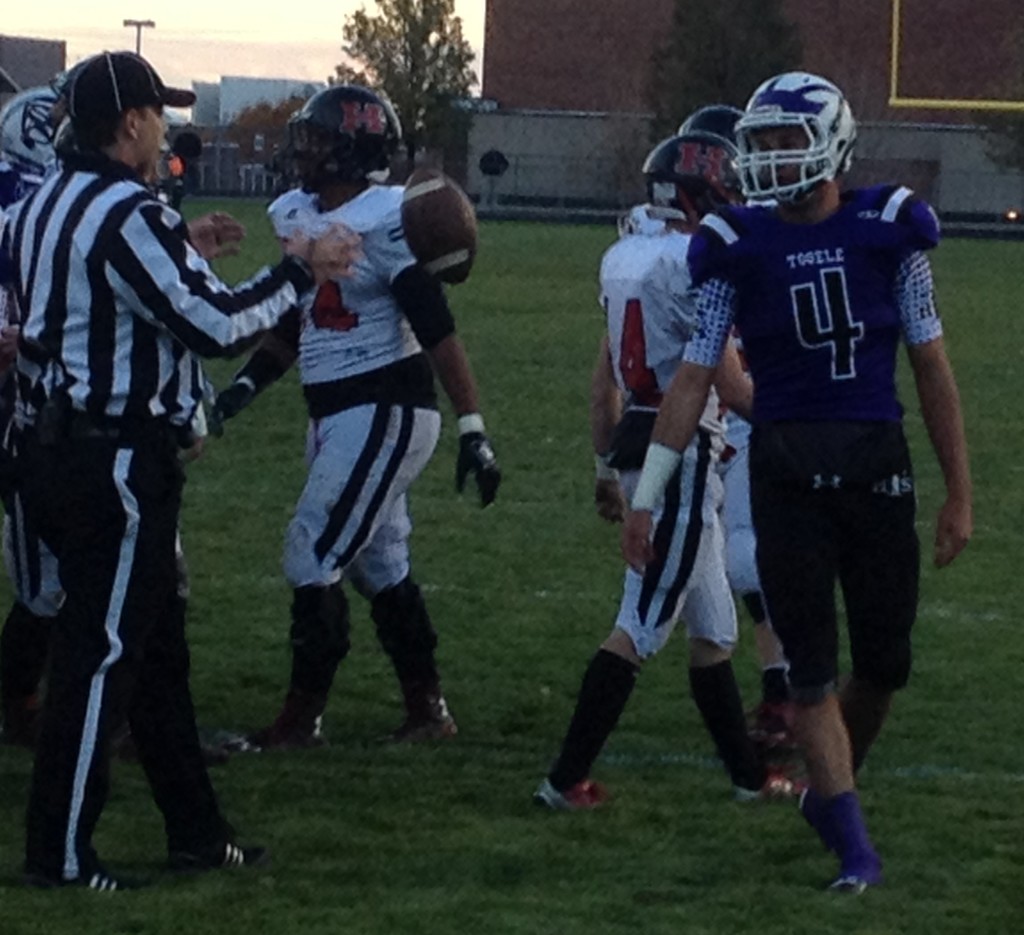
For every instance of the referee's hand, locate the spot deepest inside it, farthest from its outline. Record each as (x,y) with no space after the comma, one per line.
(330,255)
(215,235)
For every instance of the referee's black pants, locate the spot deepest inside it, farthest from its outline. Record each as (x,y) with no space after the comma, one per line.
(108,508)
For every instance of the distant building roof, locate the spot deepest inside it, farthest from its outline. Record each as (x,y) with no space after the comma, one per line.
(29,63)
(7,84)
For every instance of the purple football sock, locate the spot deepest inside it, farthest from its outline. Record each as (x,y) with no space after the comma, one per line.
(857,855)
(815,811)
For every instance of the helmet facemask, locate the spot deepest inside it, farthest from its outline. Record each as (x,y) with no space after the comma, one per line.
(818,110)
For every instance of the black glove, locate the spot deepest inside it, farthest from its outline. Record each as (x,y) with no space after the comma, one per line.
(229,403)
(477,455)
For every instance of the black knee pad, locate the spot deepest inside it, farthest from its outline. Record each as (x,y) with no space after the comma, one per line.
(320,624)
(403,624)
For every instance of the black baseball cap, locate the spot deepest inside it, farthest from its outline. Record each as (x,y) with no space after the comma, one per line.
(108,84)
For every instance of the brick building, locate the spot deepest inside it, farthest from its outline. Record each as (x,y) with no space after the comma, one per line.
(569,77)
(594,55)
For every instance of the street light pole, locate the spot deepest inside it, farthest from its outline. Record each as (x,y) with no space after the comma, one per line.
(139,25)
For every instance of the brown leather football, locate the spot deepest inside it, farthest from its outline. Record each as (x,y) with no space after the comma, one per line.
(440,225)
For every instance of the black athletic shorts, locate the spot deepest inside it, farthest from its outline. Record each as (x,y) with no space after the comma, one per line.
(832,502)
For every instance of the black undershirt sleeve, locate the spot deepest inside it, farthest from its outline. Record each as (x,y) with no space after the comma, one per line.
(422,300)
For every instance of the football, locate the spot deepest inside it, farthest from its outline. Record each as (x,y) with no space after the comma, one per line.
(440,225)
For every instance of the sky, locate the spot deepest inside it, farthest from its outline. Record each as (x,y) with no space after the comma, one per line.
(200,40)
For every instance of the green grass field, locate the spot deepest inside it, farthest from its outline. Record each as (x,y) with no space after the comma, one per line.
(368,838)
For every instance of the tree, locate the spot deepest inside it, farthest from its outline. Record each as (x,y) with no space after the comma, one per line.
(718,52)
(414,51)
(261,127)
(1004,129)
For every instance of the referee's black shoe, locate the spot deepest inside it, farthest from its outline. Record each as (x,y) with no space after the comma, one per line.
(99,879)
(217,857)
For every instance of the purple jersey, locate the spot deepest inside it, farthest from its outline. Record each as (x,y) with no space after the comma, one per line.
(821,307)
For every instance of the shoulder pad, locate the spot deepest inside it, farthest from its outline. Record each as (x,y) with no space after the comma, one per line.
(710,245)
(896,204)
(288,211)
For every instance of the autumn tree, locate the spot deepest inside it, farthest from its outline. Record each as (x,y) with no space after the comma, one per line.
(718,52)
(263,126)
(414,51)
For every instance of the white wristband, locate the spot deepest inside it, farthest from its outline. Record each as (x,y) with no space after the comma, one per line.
(247,382)
(659,465)
(473,422)
(602,468)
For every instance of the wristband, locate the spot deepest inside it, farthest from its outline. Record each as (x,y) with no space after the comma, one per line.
(659,465)
(472,422)
(603,470)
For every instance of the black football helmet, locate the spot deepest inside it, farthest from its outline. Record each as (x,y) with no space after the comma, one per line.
(692,173)
(344,133)
(719,119)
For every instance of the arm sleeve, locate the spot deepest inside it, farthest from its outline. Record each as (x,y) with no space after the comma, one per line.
(158,274)
(422,300)
(716,309)
(915,298)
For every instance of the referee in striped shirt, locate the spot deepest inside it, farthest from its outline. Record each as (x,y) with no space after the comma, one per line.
(118,303)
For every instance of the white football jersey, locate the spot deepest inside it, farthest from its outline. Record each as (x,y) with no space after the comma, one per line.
(646,295)
(352,326)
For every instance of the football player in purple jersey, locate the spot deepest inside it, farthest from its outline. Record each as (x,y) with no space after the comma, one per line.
(823,286)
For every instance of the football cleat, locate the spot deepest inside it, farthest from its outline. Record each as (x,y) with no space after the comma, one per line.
(217,857)
(585,795)
(297,727)
(99,879)
(777,787)
(855,876)
(427,718)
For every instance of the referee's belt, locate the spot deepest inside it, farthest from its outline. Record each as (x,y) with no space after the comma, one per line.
(126,431)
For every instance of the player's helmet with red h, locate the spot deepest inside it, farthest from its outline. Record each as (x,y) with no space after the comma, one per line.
(692,173)
(719,119)
(344,133)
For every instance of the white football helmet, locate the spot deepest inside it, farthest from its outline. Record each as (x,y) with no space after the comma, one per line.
(26,131)
(816,106)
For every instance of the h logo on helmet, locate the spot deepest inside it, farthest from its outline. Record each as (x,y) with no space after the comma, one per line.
(363,115)
(700,159)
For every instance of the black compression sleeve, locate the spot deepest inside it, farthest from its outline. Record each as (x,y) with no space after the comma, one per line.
(421,298)
(265,366)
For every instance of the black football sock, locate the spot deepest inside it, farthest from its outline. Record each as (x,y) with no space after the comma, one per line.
(718,699)
(774,687)
(606,688)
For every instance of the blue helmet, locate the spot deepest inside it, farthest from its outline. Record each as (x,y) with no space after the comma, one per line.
(27,131)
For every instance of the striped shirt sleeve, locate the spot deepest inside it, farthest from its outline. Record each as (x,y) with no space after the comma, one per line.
(154,269)
(915,298)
